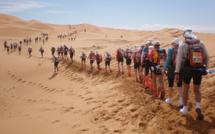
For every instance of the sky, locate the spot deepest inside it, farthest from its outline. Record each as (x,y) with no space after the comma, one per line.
(199,15)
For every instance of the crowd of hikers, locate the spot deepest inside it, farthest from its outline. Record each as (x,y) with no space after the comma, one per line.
(183,61)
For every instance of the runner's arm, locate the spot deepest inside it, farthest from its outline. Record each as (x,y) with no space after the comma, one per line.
(207,61)
(179,58)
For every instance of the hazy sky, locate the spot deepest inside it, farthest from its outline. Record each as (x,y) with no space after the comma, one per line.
(125,14)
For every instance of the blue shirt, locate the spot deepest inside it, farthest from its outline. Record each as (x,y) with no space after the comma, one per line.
(169,57)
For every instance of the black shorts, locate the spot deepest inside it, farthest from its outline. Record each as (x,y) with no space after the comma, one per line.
(82,59)
(91,61)
(61,53)
(58,52)
(171,82)
(52,52)
(120,59)
(56,64)
(197,80)
(147,65)
(136,65)
(71,55)
(155,70)
(107,63)
(65,53)
(98,62)
(128,61)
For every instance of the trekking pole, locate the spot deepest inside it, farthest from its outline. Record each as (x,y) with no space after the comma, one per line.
(202,69)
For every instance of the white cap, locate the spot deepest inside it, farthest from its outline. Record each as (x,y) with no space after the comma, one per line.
(143,45)
(107,51)
(118,48)
(151,47)
(187,30)
(191,37)
(97,52)
(176,41)
(136,47)
(128,47)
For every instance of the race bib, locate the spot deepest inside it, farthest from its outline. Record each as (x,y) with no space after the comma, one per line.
(197,58)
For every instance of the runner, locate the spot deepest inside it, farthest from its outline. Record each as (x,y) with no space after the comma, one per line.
(11,47)
(146,64)
(108,59)
(56,61)
(8,49)
(141,65)
(158,67)
(41,51)
(61,51)
(92,59)
(136,56)
(170,68)
(119,58)
(29,51)
(5,44)
(128,57)
(58,52)
(71,53)
(83,59)
(192,52)
(53,50)
(19,49)
(98,60)
(65,49)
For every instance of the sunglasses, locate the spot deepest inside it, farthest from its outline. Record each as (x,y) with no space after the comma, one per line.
(188,38)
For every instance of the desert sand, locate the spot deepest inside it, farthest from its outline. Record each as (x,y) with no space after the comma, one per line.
(35,100)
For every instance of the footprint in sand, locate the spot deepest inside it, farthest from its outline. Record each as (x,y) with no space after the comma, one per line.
(76,125)
(23,81)
(56,121)
(19,80)
(117,131)
(84,130)
(30,82)
(120,101)
(88,99)
(133,109)
(68,109)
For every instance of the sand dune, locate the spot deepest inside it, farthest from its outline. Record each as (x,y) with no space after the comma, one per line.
(34,99)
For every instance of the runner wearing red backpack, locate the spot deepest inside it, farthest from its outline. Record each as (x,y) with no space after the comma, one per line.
(98,60)
(107,58)
(119,58)
(92,58)
(170,68)
(158,66)
(128,57)
(193,55)
(136,58)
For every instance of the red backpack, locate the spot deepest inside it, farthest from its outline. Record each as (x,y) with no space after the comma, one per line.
(137,57)
(98,57)
(92,56)
(128,54)
(196,54)
(108,58)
